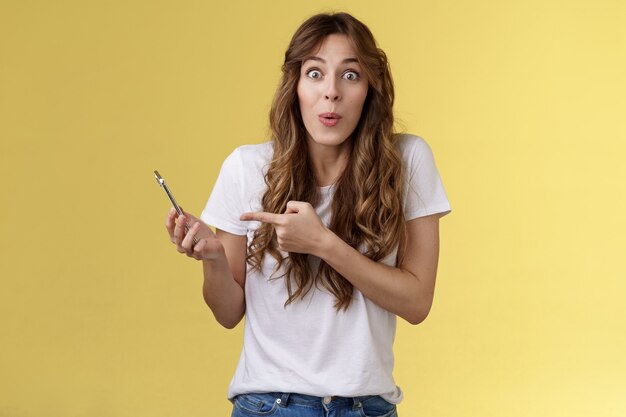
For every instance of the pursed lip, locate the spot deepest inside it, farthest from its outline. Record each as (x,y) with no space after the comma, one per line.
(329,116)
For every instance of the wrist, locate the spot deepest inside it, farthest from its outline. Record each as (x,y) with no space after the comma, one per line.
(212,250)
(214,258)
(326,244)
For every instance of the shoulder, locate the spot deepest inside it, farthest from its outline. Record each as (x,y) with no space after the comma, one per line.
(412,148)
(251,153)
(249,157)
(424,190)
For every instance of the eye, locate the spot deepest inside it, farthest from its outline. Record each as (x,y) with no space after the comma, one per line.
(314,73)
(351,75)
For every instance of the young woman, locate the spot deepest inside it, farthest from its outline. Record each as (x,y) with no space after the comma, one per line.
(323,235)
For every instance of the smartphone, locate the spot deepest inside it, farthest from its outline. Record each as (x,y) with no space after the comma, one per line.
(180,212)
(162,183)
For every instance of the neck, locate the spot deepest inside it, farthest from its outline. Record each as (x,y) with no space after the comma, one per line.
(328,162)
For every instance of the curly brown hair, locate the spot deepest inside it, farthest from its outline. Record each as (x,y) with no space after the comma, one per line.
(367,207)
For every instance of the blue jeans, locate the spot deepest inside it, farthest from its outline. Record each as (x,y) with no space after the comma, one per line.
(292,405)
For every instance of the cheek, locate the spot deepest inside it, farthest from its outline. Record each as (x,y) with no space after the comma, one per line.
(359,100)
(363,95)
(304,98)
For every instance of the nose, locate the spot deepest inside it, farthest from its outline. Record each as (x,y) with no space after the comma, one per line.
(332,91)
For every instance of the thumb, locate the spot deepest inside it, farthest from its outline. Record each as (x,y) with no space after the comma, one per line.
(294,207)
(188,215)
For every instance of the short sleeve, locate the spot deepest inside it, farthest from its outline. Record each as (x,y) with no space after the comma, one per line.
(225,205)
(425,194)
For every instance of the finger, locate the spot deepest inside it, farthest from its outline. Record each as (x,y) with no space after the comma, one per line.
(294,207)
(261,216)
(179,229)
(190,217)
(190,239)
(169,221)
(197,250)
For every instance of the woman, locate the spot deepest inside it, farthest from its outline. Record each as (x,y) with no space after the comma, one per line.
(323,235)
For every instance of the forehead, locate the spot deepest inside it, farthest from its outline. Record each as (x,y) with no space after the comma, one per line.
(335,47)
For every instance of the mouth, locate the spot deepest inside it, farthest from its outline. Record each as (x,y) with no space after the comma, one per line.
(329,119)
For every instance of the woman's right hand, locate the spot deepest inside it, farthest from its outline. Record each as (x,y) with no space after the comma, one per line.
(208,246)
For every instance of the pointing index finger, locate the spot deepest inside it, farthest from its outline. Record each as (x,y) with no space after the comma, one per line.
(260,216)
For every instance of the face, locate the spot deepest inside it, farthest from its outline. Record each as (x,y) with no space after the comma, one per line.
(331,92)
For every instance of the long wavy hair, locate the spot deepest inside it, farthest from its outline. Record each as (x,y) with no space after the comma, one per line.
(367,206)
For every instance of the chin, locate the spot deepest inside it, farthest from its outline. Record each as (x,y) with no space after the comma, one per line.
(329,140)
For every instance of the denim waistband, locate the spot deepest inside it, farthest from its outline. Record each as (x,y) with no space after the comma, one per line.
(285,398)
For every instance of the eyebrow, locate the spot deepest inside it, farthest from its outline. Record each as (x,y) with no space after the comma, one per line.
(317,58)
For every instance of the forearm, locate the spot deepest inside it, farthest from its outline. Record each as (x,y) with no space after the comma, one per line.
(406,291)
(222,293)
(396,290)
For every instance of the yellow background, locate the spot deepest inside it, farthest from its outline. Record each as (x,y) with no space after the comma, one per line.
(522,102)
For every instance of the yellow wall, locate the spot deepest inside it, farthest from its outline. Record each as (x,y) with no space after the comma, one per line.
(522,102)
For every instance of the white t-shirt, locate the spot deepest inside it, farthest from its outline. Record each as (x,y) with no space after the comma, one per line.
(308,347)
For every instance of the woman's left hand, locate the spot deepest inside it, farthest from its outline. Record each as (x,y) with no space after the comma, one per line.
(298,230)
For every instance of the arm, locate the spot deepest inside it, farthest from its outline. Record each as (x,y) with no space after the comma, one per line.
(224,280)
(223,259)
(406,290)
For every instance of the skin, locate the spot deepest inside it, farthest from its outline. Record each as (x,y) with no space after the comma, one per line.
(223,257)
(326,85)
(331,81)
